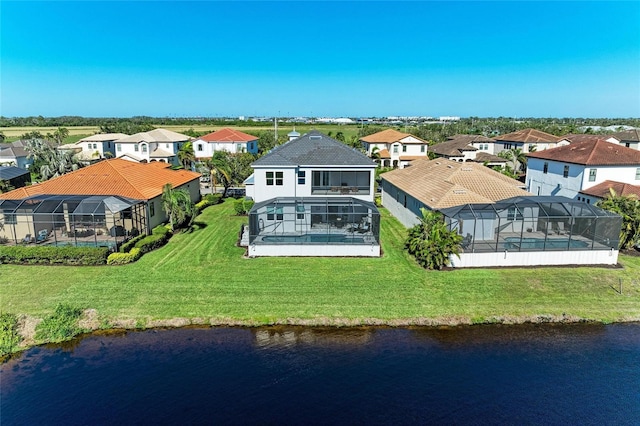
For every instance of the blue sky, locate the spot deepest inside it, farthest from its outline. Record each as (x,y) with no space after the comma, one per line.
(360,58)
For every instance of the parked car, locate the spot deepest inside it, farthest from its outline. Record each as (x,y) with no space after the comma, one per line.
(236,192)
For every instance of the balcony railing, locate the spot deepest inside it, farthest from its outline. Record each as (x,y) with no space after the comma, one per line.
(340,190)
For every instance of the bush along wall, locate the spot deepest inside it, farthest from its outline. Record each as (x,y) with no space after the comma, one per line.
(43,255)
(133,249)
(242,206)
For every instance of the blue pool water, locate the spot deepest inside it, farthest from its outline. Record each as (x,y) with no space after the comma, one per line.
(312,238)
(515,243)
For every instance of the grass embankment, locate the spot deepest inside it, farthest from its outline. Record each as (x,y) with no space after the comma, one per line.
(202,277)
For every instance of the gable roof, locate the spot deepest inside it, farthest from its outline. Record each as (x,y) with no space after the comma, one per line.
(442,183)
(389,136)
(528,136)
(452,148)
(632,135)
(155,135)
(103,137)
(110,177)
(601,190)
(228,135)
(13,152)
(591,153)
(314,149)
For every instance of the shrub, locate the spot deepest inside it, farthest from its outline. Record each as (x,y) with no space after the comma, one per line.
(9,337)
(127,246)
(44,255)
(431,242)
(152,242)
(124,258)
(62,325)
(161,230)
(242,206)
(209,200)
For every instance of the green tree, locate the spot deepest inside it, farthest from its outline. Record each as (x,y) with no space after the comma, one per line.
(186,155)
(629,208)
(59,135)
(517,157)
(431,242)
(219,171)
(34,134)
(178,206)
(5,187)
(49,162)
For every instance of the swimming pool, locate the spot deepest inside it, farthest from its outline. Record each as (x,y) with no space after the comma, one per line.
(110,244)
(515,243)
(313,238)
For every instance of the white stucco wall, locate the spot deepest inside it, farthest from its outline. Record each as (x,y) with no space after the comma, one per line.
(325,250)
(208,148)
(507,258)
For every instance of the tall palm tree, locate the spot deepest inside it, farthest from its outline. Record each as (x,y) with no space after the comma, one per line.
(629,208)
(178,205)
(220,173)
(187,155)
(431,242)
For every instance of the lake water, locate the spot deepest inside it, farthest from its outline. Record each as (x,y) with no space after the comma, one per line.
(534,374)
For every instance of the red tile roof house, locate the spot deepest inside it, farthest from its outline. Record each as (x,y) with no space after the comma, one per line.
(225,139)
(99,205)
(570,169)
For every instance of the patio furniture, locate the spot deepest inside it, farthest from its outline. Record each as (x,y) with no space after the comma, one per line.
(43,234)
(27,239)
(466,241)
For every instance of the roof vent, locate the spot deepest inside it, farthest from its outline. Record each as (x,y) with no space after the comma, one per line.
(459,191)
(449,166)
(466,169)
(315,137)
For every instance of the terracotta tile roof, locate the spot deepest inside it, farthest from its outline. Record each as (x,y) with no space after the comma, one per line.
(591,153)
(583,137)
(110,177)
(384,153)
(528,136)
(442,183)
(228,135)
(602,189)
(411,157)
(389,136)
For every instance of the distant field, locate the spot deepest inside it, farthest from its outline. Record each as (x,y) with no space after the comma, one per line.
(13,133)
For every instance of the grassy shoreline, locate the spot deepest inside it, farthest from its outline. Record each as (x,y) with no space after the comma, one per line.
(201,278)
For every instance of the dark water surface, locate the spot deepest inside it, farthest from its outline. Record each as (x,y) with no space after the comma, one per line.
(545,374)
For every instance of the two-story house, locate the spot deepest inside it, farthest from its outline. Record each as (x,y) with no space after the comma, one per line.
(98,146)
(156,145)
(528,140)
(15,154)
(394,148)
(226,139)
(463,148)
(569,169)
(314,197)
(629,138)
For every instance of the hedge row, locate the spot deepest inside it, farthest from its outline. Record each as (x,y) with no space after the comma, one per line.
(136,247)
(47,255)
(124,258)
(126,247)
(209,200)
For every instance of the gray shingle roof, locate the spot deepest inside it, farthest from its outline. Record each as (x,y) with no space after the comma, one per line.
(11,172)
(314,149)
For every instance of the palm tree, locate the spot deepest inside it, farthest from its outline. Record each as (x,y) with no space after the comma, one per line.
(220,173)
(186,155)
(431,242)
(178,205)
(629,208)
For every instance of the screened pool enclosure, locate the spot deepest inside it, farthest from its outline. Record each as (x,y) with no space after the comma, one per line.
(530,224)
(307,226)
(76,220)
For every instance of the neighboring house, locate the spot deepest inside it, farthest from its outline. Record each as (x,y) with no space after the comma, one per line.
(395,149)
(567,139)
(629,138)
(96,147)
(528,140)
(440,183)
(15,154)
(600,191)
(15,176)
(100,205)
(156,145)
(463,148)
(314,197)
(226,139)
(569,169)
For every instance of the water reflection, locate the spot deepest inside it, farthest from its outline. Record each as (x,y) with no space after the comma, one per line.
(290,336)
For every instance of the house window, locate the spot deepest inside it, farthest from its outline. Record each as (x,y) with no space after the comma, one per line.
(301,177)
(565,173)
(144,148)
(279,178)
(300,211)
(109,145)
(395,149)
(269,179)
(628,145)
(421,148)
(545,168)
(514,214)
(592,175)
(118,147)
(531,147)
(404,148)
(135,148)
(275,213)
(271,213)
(239,147)
(152,209)
(638,173)
(199,147)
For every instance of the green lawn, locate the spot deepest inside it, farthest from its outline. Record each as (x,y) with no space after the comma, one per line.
(203,275)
